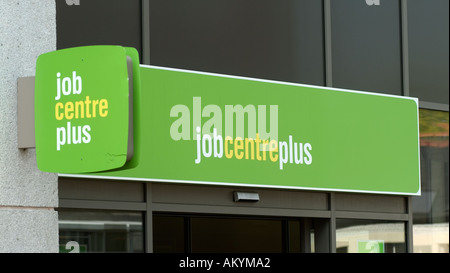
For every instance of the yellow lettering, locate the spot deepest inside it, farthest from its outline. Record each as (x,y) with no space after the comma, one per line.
(238,146)
(69,110)
(273,146)
(228,152)
(258,141)
(79,108)
(94,108)
(252,143)
(58,106)
(265,144)
(103,108)
(87,103)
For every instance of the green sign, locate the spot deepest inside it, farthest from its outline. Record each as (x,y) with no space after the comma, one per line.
(371,246)
(82,108)
(192,127)
(213,129)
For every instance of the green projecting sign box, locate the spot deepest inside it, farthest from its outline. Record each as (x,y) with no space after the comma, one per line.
(82,102)
(194,127)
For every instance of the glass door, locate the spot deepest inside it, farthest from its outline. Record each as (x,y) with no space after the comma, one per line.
(230,234)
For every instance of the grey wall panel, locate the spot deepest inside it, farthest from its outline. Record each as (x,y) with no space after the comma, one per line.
(366,46)
(370,203)
(101,190)
(99,22)
(223,196)
(428,33)
(276,40)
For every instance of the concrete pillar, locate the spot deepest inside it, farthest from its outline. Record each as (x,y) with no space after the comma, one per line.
(28,197)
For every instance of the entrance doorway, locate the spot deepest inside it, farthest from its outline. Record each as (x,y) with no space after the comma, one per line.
(124,216)
(231,234)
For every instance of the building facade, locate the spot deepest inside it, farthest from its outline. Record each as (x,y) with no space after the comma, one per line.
(341,44)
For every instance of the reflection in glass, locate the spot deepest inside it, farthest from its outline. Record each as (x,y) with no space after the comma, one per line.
(430,210)
(369,236)
(100,231)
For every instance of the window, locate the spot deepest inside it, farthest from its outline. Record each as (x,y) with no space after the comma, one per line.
(366,46)
(430,210)
(275,40)
(99,22)
(370,236)
(228,234)
(100,231)
(169,234)
(428,49)
(236,235)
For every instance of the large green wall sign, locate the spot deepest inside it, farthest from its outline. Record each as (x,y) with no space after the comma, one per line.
(205,128)
(94,103)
